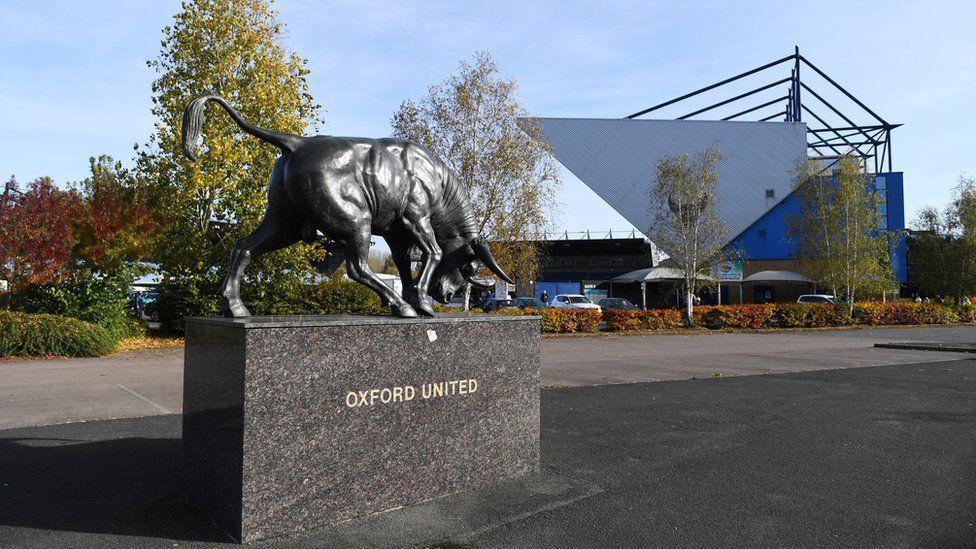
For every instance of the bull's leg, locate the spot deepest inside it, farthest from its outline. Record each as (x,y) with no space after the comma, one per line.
(357,264)
(268,237)
(430,256)
(280,227)
(400,251)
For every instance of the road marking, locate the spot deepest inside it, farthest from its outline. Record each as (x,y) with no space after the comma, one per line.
(159,407)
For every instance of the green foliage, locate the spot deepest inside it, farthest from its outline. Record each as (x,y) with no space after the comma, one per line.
(188,295)
(196,296)
(234,48)
(942,247)
(836,230)
(471,122)
(24,334)
(341,296)
(85,296)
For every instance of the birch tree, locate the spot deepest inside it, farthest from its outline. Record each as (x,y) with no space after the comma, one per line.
(470,121)
(839,230)
(684,220)
(943,245)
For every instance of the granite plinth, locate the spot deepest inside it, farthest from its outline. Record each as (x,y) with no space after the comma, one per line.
(290,423)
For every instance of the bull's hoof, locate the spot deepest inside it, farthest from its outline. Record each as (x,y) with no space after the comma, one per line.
(403,311)
(234,309)
(422,306)
(425,309)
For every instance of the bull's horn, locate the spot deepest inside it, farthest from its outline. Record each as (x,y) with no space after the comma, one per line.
(474,282)
(480,247)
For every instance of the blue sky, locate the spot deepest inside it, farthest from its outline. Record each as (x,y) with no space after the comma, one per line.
(75,82)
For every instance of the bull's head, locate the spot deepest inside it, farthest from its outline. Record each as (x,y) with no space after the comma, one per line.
(458,266)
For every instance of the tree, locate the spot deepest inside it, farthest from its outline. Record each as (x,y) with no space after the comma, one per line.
(36,236)
(471,121)
(684,220)
(943,246)
(838,229)
(233,48)
(114,225)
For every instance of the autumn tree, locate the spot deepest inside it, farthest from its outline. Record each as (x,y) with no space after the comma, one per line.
(233,48)
(36,235)
(114,225)
(471,121)
(838,229)
(684,222)
(943,245)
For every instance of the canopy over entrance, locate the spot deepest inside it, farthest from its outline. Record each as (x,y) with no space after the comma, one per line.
(655,274)
(781,277)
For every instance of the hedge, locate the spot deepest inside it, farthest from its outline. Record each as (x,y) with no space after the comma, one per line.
(652,319)
(561,320)
(23,334)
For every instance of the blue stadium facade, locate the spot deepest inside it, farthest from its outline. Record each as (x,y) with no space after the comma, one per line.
(766,239)
(617,158)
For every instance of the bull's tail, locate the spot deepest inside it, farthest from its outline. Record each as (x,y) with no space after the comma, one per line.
(193,120)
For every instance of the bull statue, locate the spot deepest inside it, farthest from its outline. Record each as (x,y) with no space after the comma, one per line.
(351,188)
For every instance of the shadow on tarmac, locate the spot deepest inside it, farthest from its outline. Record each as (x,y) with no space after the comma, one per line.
(123,486)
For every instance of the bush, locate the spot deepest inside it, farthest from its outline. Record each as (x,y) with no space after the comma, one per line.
(23,334)
(561,320)
(966,313)
(98,299)
(906,312)
(185,296)
(811,315)
(740,316)
(342,297)
(652,319)
(195,295)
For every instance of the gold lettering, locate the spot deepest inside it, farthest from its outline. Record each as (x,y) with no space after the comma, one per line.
(472,385)
(425,389)
(355,400)
(409,392)
(463,386)
(398,394)
(439,389)
(386,395)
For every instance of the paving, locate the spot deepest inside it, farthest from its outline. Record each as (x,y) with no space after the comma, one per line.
(38,392)
(863,457)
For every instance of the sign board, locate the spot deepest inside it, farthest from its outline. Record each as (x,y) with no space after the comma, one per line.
(728,271)
(501,289)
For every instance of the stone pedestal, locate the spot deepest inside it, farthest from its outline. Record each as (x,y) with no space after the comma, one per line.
(290,423)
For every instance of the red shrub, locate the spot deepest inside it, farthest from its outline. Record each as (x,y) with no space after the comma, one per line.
(561,320)
(740,316)
(653,319)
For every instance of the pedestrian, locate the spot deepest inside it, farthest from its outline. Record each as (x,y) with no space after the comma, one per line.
(544,297)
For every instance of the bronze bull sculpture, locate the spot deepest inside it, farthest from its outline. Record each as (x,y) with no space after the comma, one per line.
(351,188)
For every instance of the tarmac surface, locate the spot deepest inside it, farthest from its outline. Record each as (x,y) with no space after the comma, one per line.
(862,457)
(40,392)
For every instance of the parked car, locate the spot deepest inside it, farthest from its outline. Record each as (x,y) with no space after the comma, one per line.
(816,298)
(496,304)
(148,307)
(573,301)
(529,303)
(616,303)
